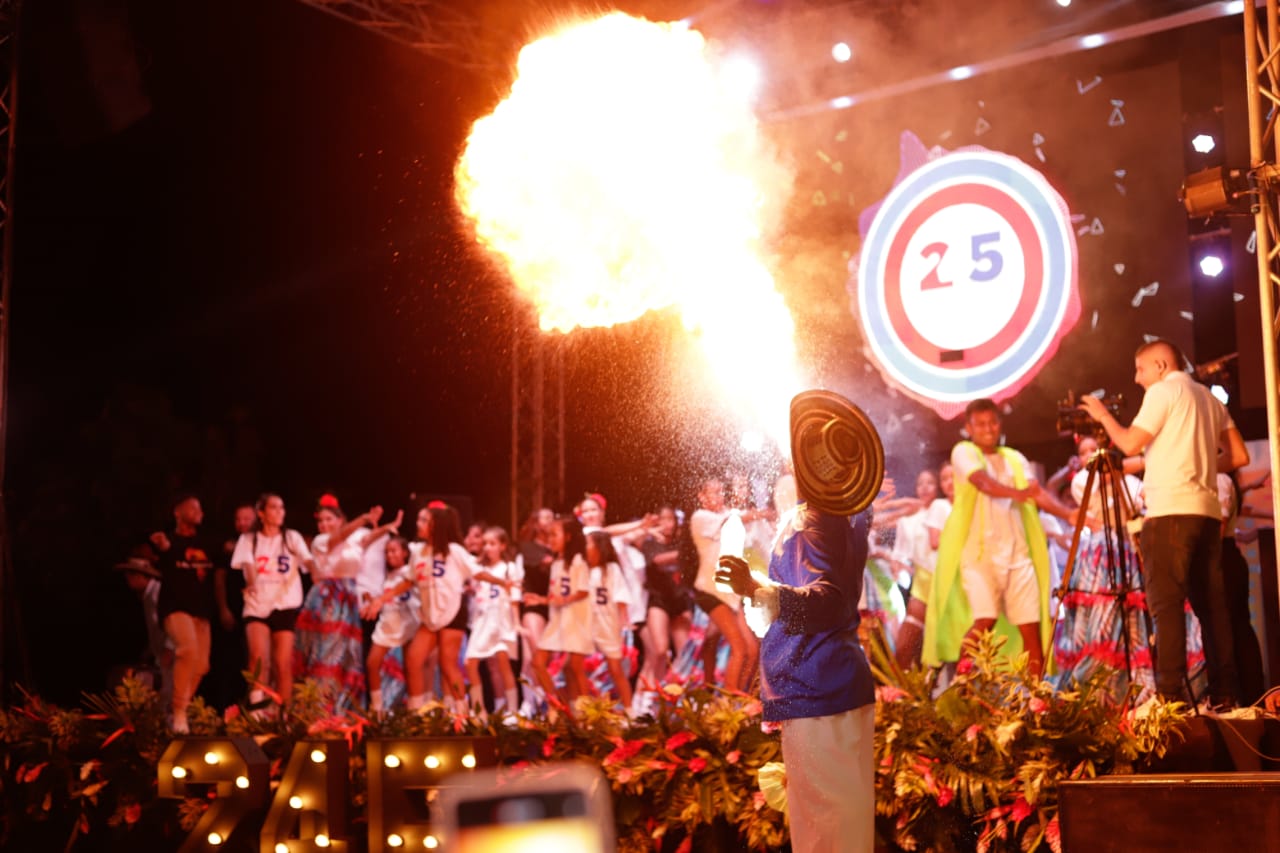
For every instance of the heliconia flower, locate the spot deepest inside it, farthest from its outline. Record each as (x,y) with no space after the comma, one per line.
(1037,705)
(971,733)
(625,751)
(548,746)
(686,845)
(624,775)
(945,795)
(889,693)
(231,713)
(1021,809)
(964,666)
(132,813)
(679,739)
(675,691)
(697,764)
(770,726)
(734,757)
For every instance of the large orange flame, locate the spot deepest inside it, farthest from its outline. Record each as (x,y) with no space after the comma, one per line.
(624,173)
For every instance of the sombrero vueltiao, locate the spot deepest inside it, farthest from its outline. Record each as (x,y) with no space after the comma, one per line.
(838,457)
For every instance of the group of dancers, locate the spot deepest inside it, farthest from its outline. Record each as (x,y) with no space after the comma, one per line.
(476,621)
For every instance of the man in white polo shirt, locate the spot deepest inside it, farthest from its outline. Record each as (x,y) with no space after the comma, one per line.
(1183,429)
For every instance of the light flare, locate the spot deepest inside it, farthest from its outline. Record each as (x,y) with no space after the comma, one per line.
(624,173)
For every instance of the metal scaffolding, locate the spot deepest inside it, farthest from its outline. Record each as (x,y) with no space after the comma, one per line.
(428,26)
(1262,68)
(13,659)
(537,417)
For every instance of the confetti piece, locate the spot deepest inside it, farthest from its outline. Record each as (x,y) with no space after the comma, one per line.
(982,127)
(1040,154)
(1149,338)
(1083,87)
(1238,297)
(842,136)
(1077,217)
(1093,228)
(908,417)
(982,105)
(819,199)
(1037,139)
(1120,173)
(824,156)
(1252,245)
(893,425)
(1094,324)
(1100,392)
(946,134)
(1120,189)
(1186,315)
(837,167)
(1117,117)
(1143,292)
(1007,408)
(1119,268)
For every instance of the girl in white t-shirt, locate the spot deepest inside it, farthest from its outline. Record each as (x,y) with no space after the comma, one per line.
(915,552)
(569,614)
(272,559)
(396,608)
(609,605)
(495,613)
(440,568)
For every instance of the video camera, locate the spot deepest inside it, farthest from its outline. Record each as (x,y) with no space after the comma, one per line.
(1072,420)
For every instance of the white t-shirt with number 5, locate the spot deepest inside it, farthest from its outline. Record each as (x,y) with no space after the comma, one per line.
(272,567)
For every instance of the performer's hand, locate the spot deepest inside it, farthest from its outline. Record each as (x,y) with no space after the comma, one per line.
(734,573)
(227,619)
(161,541)
(395,524)
(374,515)
(1093,406)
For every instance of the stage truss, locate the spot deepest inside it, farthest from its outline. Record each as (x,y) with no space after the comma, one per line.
(537,418)
(1262,68)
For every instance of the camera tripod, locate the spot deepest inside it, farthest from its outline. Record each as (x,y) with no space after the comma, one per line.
(1121,579)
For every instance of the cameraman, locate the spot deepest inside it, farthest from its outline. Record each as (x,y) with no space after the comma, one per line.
(1181,426)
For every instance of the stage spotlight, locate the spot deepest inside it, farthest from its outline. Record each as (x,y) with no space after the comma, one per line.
(1212,266)
(1064,3)
(1203,143)
(1216,190)
(841,52)
(1092,40)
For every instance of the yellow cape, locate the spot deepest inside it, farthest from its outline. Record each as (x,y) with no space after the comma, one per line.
(948,617)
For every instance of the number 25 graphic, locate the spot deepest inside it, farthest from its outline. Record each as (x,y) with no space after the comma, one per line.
(987,262)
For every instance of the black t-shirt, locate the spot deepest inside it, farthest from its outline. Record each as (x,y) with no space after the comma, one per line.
(186,575)
(537,560)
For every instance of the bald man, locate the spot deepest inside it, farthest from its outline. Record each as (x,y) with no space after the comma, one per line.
(1188,437)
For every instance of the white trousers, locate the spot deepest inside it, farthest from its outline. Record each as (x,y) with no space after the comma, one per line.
(831,795)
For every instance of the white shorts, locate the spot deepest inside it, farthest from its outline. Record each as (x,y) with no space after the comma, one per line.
(607,638)
(831,795)
(565,633)
(1011,589)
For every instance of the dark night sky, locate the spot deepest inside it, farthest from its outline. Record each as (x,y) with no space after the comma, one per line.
(238,266)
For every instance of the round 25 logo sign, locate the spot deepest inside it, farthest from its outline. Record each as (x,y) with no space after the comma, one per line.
(967,279)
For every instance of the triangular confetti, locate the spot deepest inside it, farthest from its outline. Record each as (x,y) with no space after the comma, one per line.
(819,199)
(1119,268)
(1117,118)
(1120,173)
(1096,227)
(1238,297)
(982,127)
(1083,87)
(1252,245)
(1037,139)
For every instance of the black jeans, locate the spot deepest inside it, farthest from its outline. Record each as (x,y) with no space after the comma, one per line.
(1181,556)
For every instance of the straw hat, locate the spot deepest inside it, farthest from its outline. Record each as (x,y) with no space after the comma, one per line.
(838,457)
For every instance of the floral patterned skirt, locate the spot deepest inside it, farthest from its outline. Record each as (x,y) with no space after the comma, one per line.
(1103,621)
